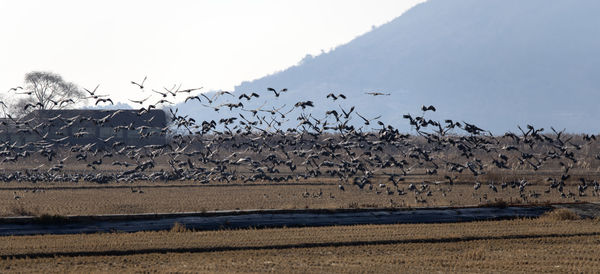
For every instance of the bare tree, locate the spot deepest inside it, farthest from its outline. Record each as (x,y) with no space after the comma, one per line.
(46,90)
(3,105)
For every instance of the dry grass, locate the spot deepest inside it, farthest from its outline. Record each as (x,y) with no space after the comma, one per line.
(80,200)
(179,228)
(561,214)
(538,245)
(21,209)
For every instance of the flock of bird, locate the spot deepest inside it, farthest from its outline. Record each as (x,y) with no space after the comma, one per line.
(255,144)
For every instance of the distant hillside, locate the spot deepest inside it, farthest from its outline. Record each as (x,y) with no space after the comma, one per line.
(497,63)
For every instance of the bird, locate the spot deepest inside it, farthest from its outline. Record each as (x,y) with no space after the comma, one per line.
(140,85)
(93,94)
(367,121)
(219,94)
(347,114)
(304,104)
(248,96)
(163,101)
(334,97)
(378,93)
(104,100)
(140,101)
(30,105)
(424,108)
(277,93)
(15,88)
(210,101)
(65,101)
(188,90)
(163,94)
(193,98)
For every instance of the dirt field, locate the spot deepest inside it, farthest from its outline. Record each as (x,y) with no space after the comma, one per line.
(547,244)
(76,199)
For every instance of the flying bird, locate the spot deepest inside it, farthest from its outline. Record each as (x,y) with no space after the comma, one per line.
(38,104)
(277,93)
(141,86)
(367,121)
(104,100)
(193,98)
(334,97)
(15,88)
(248,96)
(424,108)
(378,93)
(304,104)
(140,101)
(188,90)
(209,100)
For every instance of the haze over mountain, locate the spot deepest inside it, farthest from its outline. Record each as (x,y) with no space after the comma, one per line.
(496,63)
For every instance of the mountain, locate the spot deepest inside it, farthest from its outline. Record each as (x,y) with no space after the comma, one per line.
(495,63)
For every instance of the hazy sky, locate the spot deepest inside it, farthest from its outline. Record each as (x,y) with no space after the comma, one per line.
(214,44)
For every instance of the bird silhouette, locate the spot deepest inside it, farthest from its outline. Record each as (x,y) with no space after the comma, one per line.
(248,96)
(277,93)
(104,100)
(378,93)
(334,97)
(140,85)
(140,101)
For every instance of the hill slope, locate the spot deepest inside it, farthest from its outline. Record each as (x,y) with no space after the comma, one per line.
(498,63)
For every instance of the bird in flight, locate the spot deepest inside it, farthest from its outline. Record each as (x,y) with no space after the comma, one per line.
(38,104)
(378,93)
(277,93)
(163,94)
(431,107)
(193,98)
(334,97)
(188,90)
(209,99)
(93,93)
(140,101)
(15,88)
(219,93)
(141,86)
(248,96)
(26,92)
(368,121)
(104,100)
(304,104)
